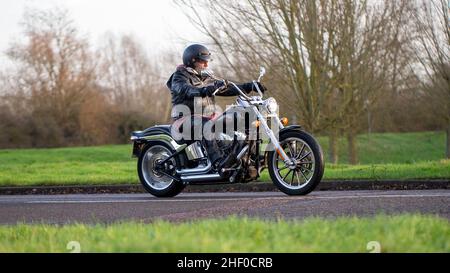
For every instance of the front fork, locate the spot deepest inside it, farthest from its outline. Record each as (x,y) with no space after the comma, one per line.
(273,138)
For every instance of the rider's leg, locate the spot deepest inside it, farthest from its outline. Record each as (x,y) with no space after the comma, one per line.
(204,128)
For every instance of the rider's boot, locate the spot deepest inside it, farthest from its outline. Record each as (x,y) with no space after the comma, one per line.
(230,159)
(214,153)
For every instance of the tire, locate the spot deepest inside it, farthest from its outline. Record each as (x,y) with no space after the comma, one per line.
(155,183)
(309,168)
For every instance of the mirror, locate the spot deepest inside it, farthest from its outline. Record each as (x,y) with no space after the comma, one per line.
(262,71)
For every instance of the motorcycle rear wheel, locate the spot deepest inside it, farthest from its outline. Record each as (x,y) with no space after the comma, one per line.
(155,182)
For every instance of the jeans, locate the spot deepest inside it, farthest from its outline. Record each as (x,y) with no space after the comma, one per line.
(197,125)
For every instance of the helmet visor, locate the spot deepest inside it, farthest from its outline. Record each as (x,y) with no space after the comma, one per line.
(204,56)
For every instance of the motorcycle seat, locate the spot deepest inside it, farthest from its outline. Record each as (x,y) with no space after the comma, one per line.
(157,129)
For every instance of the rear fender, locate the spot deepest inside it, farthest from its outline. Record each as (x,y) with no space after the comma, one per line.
(140,142)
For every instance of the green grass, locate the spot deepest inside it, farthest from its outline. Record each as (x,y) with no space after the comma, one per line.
(402,233)
(421,170)
(384,156)
(68,166)
(393,147)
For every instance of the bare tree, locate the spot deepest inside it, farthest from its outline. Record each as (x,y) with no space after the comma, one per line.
(367,45)
(13,115)
(328,58)
(133,81)
(433,54)
(285,36)
(54,71)
(60,92)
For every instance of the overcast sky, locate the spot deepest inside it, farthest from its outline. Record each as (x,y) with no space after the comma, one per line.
(156,24)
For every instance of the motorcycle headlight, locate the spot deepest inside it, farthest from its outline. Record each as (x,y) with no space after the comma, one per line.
(271,105)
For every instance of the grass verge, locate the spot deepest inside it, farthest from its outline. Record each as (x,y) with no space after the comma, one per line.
(402,233)
(114,173)
(383,157)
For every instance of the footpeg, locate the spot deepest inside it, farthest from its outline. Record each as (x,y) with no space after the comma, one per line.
(232,178)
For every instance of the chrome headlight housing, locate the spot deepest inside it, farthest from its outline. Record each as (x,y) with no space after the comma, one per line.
(271,105)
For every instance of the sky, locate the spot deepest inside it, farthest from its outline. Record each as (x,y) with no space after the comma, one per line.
(157,24)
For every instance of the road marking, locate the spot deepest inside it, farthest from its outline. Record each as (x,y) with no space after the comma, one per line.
(384,196)
(287,198)
(134,201)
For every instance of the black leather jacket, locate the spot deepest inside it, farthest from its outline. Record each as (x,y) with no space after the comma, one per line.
(185,84)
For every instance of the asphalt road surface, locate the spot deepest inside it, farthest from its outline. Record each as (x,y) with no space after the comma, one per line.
(107,208)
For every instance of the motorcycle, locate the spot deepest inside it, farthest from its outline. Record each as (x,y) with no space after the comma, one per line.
(293,157)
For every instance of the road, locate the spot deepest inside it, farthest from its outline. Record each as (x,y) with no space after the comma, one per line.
(108,208)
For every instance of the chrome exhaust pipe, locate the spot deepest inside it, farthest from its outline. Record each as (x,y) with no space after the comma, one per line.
(242,152)
(191,179)
(197,170)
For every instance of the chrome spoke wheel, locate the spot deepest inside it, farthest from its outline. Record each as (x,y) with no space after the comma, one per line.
(297,175)
(152,172)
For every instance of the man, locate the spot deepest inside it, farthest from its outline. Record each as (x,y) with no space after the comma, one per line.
(188,86)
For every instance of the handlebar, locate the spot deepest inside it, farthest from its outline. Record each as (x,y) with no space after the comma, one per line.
(257,88)
(220,89)
(241,93)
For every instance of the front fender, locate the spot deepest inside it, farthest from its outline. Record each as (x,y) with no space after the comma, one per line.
(291,128)
(286,129)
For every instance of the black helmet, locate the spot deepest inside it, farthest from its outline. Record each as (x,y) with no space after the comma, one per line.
(195,52)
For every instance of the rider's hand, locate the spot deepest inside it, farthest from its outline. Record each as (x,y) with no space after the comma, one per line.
(250,86)
(207,91)
(225,83)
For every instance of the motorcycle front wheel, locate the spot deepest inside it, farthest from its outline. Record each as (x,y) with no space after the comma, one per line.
(302,177)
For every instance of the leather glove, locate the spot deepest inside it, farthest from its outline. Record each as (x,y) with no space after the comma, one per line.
(249,87)
(207,91)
